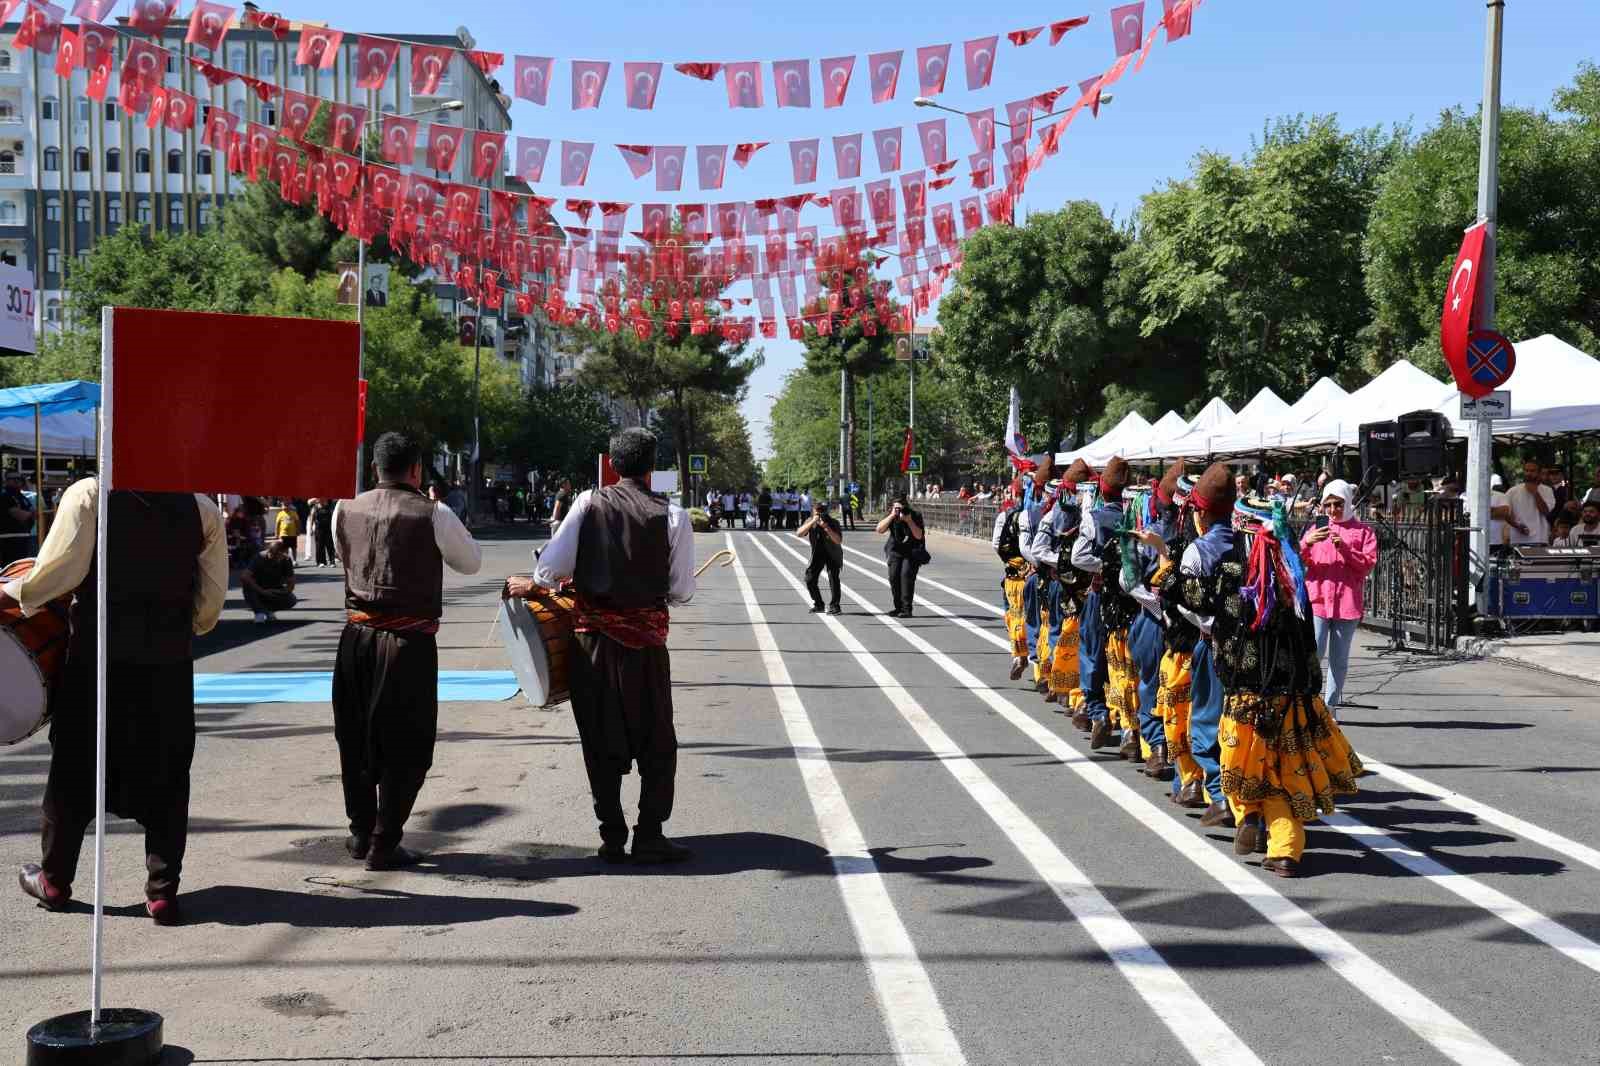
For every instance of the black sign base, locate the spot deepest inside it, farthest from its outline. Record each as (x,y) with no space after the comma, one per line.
(124,1037)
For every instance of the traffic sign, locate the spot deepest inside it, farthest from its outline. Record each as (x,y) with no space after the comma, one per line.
(16,311)
(1490,361)
(697,464)
(915,466)
(1486,408)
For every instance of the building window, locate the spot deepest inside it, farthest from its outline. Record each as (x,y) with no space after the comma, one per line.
(83,210)
(141,211)
(114,210)
(202,162)
(174,161)
(172,63)
(238,107)
(52,260)
(269,62)
(236,59)
(113,160)
(8,211)
(48,107)
(52,159)
(52,310)
(52,209)
(8,162)
(203,213)
(8,111)
(175,213)
(111,111)
(141,161)
(269,115)
(85,109)
(80,160)
(5,59)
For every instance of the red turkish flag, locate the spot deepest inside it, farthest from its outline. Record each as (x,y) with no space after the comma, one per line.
(157,102)
(836,79)
(429,65)
(531,154)
(693,219)
(971,215)
(588,82)
(711,161)
(487,62)
(887,142)
(575,157)
(344,171)
(803,157)
(980,55)
(1178,17)
(298,110)
(143,65)
(399,140)
(982,124)
(847,155)
(41,27)
(656,221)
(941,183)
(914,188)
(881,202)
(488,149)
(93,10)
(375,58)
(444,141)
(220,128)
(388,186)
(1022,37)
(68,55)
(944,224)
(283,163)
(744,84)
(1019,115)
(743,153)
(1460,314)
(95,42)
(933,63)
(935,144)
(259,142)
(703,71)
(639,157)
(669,167)
(642,79)
(1059,30)
(905,453)
(152,16)
(319,47)
(846,206)
(533,78)
(208,24)
(982,164)
(1127,27)
(883,70)
(422,195)
(792,78)
(345,124)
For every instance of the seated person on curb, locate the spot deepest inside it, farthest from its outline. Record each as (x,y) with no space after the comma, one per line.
(268,581)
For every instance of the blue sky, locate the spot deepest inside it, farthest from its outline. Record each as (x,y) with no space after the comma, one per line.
(1247,61)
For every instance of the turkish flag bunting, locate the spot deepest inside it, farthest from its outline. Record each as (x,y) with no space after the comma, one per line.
(846,206)
(913,187)
(319,47)
(971,214)
(703,71)
(880,201)
(531,154)
(1060,29)
(429,65)
(639,158)
(422,195)
(944,168)
(887,143)
(67,54)
(209,24)
(669,167)
(220,128)
(1090,88)
(588,82)
(151,16)
(575,157)
(93,10)
(387,185)
(444,141)
(905,453)
(744,84)
(847,155)
(375,58)
(399,140)
(488,149)
(298,110)
(642,79)
(94,44)
(1178,17)
(803,157)
(1019,115)
(944,223)
(792,78)
(41,27)
(980,61)
(982,123)
(345,123)
(941,183)
(657,221)
(836,79)
(157,102)
(935,145)
(883,68)
(933,63)
(582,208)
(1460,314)
(143,64)
(1127,27)
(488,62)
(711,161)
(743,153)
(1022,37)
(533,78)
(259,142)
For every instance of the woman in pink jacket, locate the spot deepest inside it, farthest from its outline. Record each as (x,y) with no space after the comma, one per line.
(1338,556)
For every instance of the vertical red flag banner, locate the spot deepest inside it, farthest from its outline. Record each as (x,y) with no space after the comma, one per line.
(1178,17)
(982,123)
(208,24)
(744,84)
(399,140)
(319,47)
(803,156)
(711,162)
(933,63)
(531,154)
(905,453)
(152,16)
(178,408)
(443,143)
(792,80)
(1460,314)
(488,148)
(67,54)
(883,70)
(575,161)
(375,58)
(298,110)
(836,79)
(642,79)
(361,411)
(1127,27)
(980,61)
(887,142)
(533,78)
(429,65)
(93,10)
(934,142)
(669,167)
(588,82)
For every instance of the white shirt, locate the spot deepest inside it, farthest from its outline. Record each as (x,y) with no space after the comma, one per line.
(559,559)
(1497,526)
(1524,510)
(461,553)
(727,501)
(1579,531)
(805,501)
(1047,534)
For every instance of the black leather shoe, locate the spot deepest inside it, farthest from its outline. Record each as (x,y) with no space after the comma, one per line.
(835,609)
(1248,837)
(396,858)
(1041,687)
(1082,722)
(32,880)
(1100,735)
(1284,867)
(1050,697)
(1130,747)
(358,844)
(1191,796)
(612,854)
(1216,814)
(659,849)
(816,608)
(1018,664)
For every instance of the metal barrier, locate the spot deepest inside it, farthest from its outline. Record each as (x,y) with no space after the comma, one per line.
(964,518)
(1419,587)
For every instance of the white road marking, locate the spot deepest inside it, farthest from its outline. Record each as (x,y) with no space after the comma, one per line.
(911,1011)
(1444,1031)
(1195,1025)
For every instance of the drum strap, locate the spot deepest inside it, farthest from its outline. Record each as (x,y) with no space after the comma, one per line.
(393,623)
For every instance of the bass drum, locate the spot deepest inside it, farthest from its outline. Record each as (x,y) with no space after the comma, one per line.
(537,632)
(31,653)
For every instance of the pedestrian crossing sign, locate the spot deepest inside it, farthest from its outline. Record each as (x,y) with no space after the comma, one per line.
(697,464)
(915,466)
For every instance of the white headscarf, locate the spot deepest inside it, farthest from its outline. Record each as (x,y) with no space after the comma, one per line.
(1341,488)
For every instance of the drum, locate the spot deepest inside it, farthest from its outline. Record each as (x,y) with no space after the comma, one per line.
(537,632)
(31,653)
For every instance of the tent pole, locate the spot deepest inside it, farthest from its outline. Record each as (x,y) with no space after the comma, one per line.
(41,503)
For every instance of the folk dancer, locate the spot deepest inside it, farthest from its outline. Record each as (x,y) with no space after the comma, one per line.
(1059,515)
(1007,544)
(1098,540)
(1180,636)
(1068,516)
(168,554)
(1032,601)
(1146,637)
(628,554)
(395,544)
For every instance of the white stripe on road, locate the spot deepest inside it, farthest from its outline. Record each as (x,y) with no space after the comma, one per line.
(985,604)
(916,1022)
(1441,1029)
(1195,1025)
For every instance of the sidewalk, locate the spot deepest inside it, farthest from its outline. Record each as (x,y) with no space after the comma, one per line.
(1574,655)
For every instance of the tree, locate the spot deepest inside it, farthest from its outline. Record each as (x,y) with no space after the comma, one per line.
(267,226)
(1547,259)
(184,272)
(560,428)
(1029,308)
(717,428)
(849,349)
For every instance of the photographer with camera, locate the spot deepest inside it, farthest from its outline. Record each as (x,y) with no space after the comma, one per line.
(907,552)
(827,553)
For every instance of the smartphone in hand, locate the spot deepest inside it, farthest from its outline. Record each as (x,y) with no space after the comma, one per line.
(1322,521)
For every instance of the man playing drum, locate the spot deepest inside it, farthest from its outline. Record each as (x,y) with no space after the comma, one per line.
(395,544)
(628,553)
(167,582)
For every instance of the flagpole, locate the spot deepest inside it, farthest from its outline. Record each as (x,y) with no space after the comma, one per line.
(911,489)
(1480,443)
(102,630)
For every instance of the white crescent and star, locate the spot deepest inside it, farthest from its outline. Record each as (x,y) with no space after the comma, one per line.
(1455,284)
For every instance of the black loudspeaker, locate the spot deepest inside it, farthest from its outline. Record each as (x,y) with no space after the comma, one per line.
(1380,452)
(1423,435)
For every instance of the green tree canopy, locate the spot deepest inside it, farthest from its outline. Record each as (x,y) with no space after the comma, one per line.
(848,347)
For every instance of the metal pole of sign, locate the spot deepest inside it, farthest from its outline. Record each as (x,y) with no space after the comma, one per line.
(844,437)
(361,314)
(911,484)
(476,461)
(872,456)
(1480,444)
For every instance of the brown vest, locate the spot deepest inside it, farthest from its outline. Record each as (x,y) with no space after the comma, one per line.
(623,555)
(392,563)
(154,542)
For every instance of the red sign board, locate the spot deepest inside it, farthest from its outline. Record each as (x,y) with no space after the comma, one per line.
(1490,361)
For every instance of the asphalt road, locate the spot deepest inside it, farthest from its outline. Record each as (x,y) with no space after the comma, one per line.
(901,855)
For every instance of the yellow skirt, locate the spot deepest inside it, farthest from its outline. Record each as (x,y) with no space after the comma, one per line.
(1016,625)
(1285,748)
(1122,682)
(1172,707)
(1064,667)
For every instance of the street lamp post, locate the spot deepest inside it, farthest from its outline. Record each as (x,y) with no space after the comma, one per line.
(361,275)
(1480,445)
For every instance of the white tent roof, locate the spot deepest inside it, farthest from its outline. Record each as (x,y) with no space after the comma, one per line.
(1243,437)
(1132,430)
(1213,414)
(1554,389)
(1265,406)
(1398,390)
(1169,425)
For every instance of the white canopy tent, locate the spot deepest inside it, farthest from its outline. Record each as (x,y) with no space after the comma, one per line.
(1170,424)
(1554,389)
(1133,430)
(1400,389)
(67,414)
(1264,406)
(1242,437)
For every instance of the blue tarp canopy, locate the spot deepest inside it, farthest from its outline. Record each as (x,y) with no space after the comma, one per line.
(67,410)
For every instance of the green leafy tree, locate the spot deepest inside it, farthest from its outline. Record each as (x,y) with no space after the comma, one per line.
(186,272)
(718,429)
(849,349)
(560,428)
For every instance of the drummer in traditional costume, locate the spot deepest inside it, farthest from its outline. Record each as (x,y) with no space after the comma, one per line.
(1065,690)
(168,579)
(1097,541)
(394,543)
(628,553)
(1006,542)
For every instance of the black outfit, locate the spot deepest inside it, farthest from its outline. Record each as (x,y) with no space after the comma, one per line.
(386,675)
(906,554)
(155,543)
(272,584)
(764,507)
(825,555)
(324,537)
